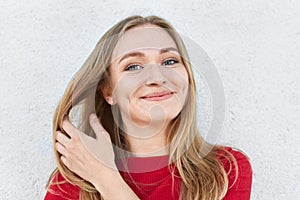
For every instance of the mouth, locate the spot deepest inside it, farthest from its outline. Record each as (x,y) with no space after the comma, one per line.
(158,96)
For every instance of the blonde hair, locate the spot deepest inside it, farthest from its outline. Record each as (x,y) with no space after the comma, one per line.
(198,163)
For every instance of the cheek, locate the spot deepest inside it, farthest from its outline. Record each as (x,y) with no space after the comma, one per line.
(179,77)
(184,75)
(124,88)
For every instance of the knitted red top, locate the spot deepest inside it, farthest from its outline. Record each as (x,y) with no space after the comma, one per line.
(158,184)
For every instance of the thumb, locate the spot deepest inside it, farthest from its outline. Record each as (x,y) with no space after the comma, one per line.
(98,128)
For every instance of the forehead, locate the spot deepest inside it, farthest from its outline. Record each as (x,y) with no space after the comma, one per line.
(143,37)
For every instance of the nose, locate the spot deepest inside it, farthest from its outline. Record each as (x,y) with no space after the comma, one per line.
(155,75)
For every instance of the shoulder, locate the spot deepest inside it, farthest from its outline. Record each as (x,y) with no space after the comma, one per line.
(61,189)
(239,172)
(240,157)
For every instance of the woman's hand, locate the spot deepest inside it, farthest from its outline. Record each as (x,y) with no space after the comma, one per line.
(93,159)
(84,155)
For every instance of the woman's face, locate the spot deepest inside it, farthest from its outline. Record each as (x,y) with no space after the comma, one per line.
(148,79)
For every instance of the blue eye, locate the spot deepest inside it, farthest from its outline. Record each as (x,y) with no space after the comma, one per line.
(170,62)
(133,67)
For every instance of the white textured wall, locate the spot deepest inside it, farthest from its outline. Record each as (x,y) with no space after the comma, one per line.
(254,44)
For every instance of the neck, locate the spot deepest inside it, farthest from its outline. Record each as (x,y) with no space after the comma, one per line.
(146,141)
(154,146)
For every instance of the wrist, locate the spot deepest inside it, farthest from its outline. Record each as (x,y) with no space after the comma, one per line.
(113,187)
(104,176)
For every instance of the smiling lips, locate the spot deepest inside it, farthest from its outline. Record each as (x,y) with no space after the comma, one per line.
(158,96)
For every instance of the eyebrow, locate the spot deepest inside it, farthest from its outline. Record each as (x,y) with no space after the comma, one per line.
(140,54)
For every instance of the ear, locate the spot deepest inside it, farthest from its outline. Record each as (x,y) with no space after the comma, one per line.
(107,94)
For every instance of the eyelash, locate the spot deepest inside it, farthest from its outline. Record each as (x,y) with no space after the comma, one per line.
(175,61)
(128,68)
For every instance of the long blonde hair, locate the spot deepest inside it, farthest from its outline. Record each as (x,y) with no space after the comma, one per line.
(203,175)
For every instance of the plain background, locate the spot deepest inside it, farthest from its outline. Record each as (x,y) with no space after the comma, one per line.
(255,46)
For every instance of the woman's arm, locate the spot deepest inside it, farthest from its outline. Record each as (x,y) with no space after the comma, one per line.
(60,189)
(93,159)
(114,187)
(240,186)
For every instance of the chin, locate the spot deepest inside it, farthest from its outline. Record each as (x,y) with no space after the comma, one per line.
(157,117)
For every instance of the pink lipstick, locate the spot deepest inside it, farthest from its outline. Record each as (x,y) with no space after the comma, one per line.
(158,96)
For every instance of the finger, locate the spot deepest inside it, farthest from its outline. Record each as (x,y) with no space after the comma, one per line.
(97,127)
(70,129)
(65,161)
(63,139)
(61,149)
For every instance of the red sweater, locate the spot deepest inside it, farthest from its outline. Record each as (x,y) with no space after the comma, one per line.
(157,184)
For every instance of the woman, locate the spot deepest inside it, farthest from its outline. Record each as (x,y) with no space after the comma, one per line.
(138,135)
